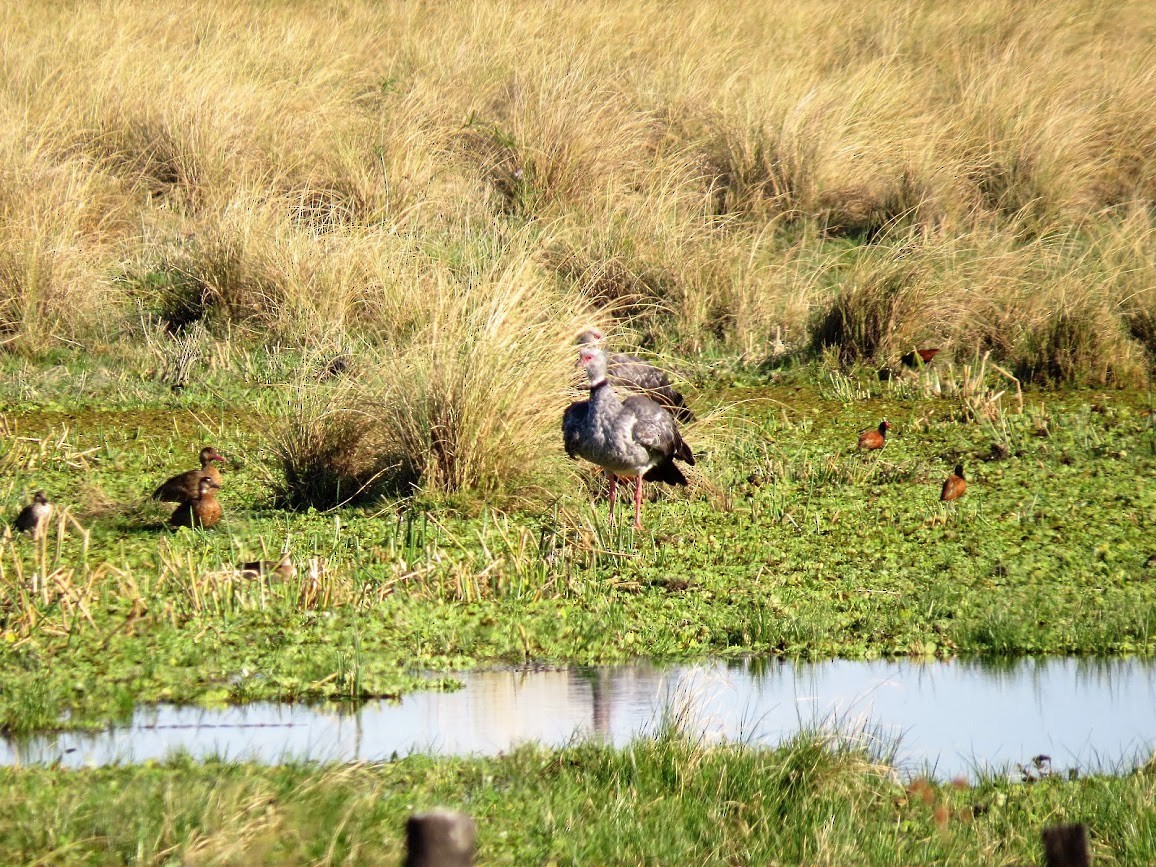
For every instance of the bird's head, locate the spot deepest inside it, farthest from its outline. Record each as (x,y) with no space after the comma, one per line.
(593,361)
(39,498)
(208,454)
(591,335)
(959,470)
(884,426)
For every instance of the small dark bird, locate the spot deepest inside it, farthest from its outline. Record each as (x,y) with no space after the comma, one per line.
(918,357)
(954,486)
(338,366)
(203,511)
(184,487)
(870,440)
(33,518)
(634,438)
(634,374)
(284,569)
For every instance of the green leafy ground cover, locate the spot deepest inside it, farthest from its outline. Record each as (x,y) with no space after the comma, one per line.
(788,542)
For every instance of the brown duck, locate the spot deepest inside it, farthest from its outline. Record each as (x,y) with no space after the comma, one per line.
(875,439)
(282,569)
(954,486)
(203,511)
(33,518)
(183,488)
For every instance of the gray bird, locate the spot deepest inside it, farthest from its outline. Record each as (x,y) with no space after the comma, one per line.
(634,374)
(33,518)
(633,438)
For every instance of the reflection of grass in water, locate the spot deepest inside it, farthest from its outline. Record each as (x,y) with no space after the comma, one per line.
(685,714)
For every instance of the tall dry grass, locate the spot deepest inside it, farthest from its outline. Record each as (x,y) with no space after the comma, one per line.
(732,174)
(469,397)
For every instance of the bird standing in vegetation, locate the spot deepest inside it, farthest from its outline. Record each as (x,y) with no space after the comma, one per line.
(954,486)
(185,487)
(202,511)
(284,569)
(33,518)
(633,438)
(870,440)
(632,373)
(924,356)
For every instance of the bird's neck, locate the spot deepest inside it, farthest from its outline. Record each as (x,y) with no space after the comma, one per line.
(601,395)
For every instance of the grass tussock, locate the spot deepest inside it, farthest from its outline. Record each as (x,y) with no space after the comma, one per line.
(469,402)
(327,453)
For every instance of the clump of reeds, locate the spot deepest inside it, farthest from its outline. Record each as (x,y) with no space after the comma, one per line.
(872,314)
(474,400)
(470,401)
(1082,343)
(328,448)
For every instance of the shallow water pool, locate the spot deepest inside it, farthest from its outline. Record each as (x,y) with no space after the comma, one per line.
(950,718)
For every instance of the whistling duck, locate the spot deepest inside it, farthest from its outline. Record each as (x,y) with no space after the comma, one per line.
(203,511)
(875,439)
(33,518)
(283,569)
(924,356)
(633,438)
(954,486)
(184,487)
(634,374)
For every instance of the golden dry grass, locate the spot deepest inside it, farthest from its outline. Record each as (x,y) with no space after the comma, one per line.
(721,173)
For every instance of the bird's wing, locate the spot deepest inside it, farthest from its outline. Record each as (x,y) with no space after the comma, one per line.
(180,488)
(26,520)
(655,430)
(573,420)
(633,372)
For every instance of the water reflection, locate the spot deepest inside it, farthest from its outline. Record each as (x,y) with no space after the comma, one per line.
(953,717)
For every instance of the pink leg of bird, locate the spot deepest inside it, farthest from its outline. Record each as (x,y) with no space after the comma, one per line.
(613,488)
(638,502)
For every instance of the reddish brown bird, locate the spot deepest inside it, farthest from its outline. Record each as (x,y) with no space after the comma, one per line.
(203,511)
(954,486)
(924,356)
(184,487)
(875,439)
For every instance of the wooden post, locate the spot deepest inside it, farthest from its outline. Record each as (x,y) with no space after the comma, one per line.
(1066,846)
(439,838)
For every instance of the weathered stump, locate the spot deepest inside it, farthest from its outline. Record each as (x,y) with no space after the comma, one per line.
(439,838)
(1066,846)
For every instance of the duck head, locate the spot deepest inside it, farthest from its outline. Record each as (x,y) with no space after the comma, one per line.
(209,454)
